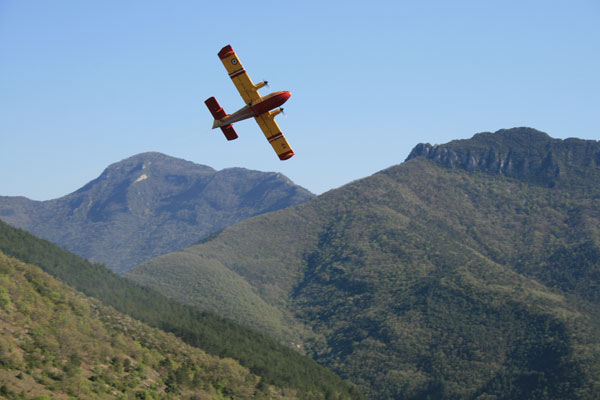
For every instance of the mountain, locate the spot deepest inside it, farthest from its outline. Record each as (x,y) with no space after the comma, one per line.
(150,204)
(275,364)
(57,343)
(470,271)
(524,153)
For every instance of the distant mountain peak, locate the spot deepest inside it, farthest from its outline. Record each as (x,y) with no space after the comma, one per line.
(153,160)
(523,134)
(149,204)
(151,164)
(521,153)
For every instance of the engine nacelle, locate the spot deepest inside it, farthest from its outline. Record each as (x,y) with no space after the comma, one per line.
(261,84)
(276,112)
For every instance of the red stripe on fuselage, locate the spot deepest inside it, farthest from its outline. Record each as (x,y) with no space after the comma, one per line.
(264,105)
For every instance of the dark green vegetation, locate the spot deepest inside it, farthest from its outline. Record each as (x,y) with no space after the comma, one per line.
(276,364)
(470,271)
(150,204)
(56,343)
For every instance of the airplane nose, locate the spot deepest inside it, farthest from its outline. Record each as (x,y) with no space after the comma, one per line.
(284,96)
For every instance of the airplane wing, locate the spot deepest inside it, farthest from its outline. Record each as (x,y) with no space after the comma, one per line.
(273,134)
(239,76)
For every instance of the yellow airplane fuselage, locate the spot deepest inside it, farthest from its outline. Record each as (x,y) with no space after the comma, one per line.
(261,106)
(256,106)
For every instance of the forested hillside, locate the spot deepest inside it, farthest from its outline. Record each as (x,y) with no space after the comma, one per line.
(472,270)
(150,204)
(276,364)
(56,343)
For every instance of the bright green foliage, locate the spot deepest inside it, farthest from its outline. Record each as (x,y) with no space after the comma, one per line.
(4,299)
(276,364)
(56,343)
(431,279)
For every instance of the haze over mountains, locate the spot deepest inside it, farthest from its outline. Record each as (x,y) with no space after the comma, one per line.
(472,270)
(148,205)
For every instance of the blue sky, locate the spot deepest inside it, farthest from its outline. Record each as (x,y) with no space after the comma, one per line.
(84,84)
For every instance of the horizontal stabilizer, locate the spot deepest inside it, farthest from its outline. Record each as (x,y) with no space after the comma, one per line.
(215,109)
(218,113)
(229,132)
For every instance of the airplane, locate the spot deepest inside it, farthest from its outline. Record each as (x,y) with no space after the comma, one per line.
(256,106)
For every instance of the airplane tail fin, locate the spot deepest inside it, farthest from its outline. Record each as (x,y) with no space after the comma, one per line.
(218,113)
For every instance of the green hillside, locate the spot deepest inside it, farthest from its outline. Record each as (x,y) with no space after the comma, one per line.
(56,343)
(266,255)
(276,364)
(465,272)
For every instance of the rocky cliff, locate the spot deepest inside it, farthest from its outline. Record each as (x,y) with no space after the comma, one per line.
(521,153)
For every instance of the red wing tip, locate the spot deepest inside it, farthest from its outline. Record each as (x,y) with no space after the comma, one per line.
(286,156)
(226,52)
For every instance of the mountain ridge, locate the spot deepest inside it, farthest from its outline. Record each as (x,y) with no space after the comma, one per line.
(150,204)
(523,153)
(428,280)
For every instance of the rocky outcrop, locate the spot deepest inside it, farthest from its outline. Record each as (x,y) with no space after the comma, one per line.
(521,153)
